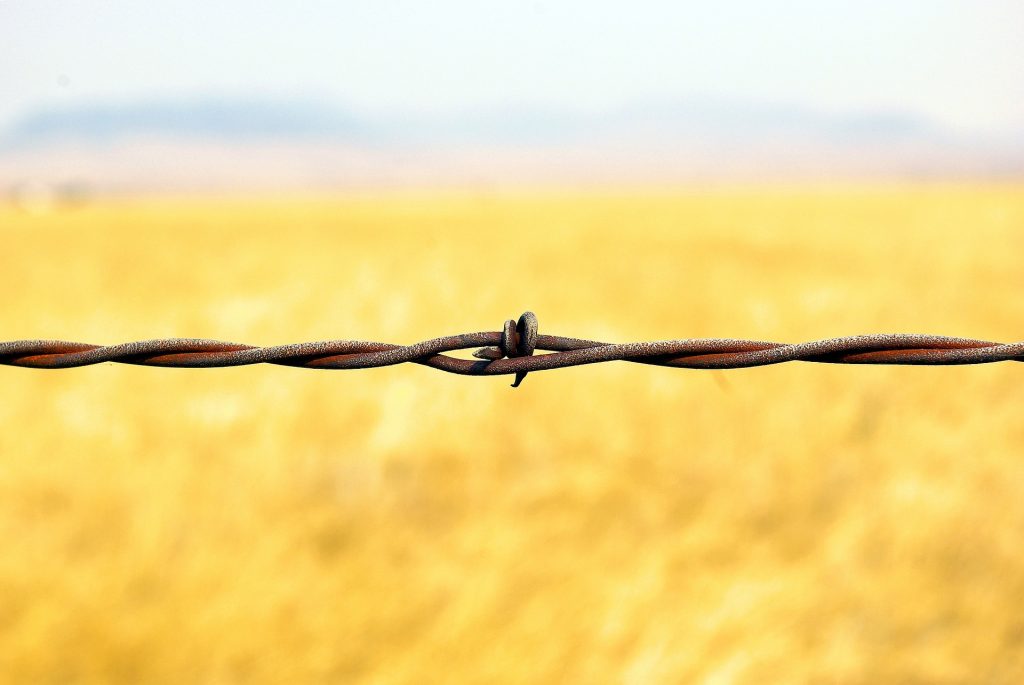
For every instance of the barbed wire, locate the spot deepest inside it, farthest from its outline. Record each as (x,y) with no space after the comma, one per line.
(511,351)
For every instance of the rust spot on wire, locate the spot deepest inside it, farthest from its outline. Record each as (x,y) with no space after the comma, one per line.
(510,351)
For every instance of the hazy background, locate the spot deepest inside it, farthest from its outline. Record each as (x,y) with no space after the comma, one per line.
(122,96)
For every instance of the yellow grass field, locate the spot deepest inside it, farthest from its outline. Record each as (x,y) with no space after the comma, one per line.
(618,523)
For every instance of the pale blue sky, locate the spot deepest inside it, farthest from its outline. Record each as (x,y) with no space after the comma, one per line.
(957,62)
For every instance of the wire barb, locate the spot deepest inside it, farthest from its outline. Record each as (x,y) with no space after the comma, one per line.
(510,351)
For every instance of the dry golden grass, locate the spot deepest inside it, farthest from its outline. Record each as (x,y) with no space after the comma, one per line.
(614,523)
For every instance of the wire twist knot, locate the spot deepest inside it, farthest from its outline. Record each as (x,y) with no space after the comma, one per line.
(518,339)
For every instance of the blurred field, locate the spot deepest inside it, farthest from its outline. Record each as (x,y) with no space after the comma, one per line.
(605,524)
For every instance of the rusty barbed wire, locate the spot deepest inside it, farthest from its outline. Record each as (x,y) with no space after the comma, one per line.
(510,351)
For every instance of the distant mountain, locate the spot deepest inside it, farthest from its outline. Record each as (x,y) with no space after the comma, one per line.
(214,144)
(272,120)
(227,120)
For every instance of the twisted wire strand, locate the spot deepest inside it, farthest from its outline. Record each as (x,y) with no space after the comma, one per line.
(511,352)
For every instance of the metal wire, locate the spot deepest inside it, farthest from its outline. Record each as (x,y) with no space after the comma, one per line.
(510,352)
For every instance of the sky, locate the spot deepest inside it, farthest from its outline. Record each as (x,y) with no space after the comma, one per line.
(958,63)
